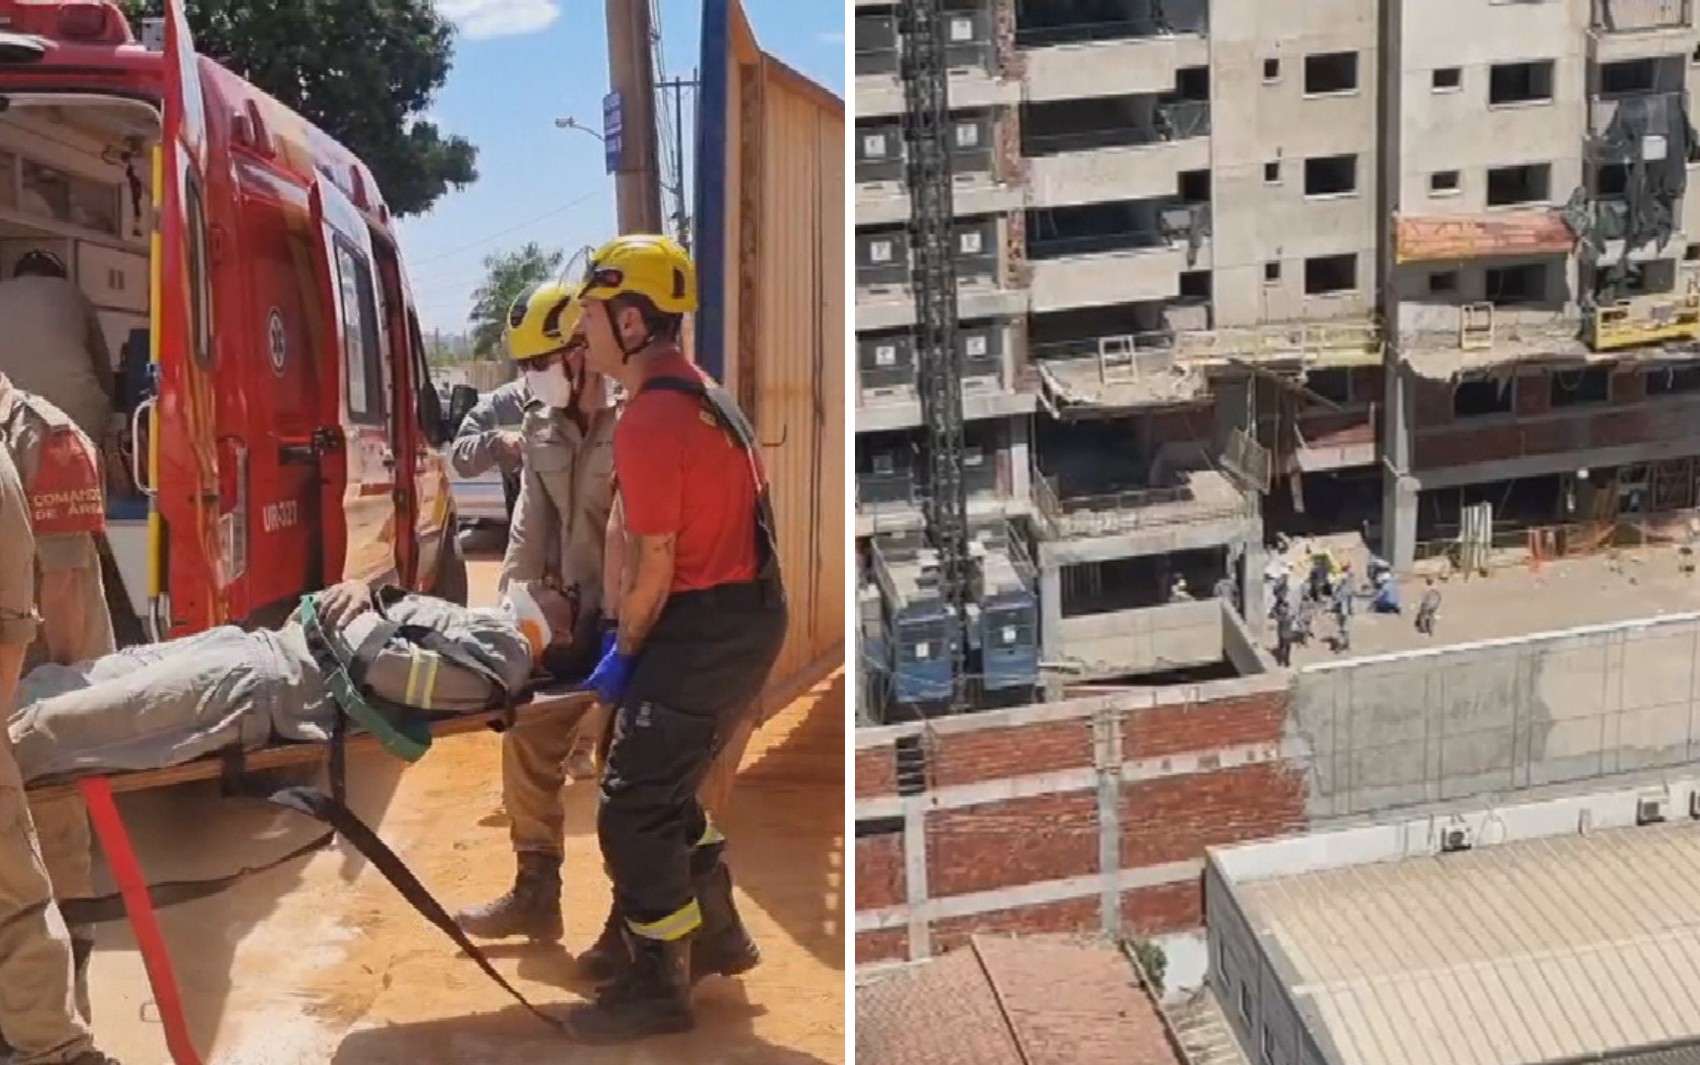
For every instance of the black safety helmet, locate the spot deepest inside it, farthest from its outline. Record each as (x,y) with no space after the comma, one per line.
(40,262)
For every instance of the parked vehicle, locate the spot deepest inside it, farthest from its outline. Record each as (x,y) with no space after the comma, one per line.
(281,427)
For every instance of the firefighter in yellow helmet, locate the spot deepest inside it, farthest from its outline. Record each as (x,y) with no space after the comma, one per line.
(557,538)
(701,623)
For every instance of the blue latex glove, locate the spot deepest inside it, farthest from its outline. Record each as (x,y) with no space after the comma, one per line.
(609,638)
(611,675)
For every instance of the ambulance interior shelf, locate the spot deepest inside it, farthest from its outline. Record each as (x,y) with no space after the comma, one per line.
(551,699)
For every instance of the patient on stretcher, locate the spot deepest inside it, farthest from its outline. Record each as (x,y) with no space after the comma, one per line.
(164,704)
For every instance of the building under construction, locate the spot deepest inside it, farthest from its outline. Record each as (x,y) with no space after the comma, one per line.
(1220,270)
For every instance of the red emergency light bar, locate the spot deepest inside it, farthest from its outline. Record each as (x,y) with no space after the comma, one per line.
(82,21)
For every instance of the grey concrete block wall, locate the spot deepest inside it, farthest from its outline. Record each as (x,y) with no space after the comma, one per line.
(1498,717)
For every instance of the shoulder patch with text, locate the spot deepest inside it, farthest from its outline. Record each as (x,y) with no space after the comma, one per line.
(65,493)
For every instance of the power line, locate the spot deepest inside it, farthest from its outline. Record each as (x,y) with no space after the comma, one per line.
(563,209)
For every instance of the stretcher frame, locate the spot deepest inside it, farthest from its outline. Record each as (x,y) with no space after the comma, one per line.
(283,755)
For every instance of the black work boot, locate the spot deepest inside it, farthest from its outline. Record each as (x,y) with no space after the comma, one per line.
(652,996)
(532,908)
(607,957)
(723,946)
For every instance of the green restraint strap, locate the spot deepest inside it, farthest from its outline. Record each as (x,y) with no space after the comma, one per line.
(403,734)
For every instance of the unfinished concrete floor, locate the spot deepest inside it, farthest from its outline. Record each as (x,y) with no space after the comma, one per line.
(1516,601)
(319,960)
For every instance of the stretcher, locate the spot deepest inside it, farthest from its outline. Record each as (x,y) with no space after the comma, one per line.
(99,791)
(284,755)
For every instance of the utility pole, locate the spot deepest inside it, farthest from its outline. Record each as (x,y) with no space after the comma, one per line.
(675,88)
(631,74)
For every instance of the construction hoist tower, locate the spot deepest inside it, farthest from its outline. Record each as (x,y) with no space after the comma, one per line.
(926,81)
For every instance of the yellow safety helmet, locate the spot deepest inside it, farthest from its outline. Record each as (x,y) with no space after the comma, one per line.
(542,321)
(647,265)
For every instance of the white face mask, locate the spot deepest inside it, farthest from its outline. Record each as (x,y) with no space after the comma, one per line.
(550,386)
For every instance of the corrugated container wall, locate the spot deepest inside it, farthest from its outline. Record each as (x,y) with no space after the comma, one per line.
(770,225)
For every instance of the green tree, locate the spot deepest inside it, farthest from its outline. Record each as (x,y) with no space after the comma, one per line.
(506,276)
(361,70)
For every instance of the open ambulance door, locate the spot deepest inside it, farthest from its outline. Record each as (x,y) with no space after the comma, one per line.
(187,574)
(359,508)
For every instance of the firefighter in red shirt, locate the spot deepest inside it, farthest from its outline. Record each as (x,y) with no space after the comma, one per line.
(701,624)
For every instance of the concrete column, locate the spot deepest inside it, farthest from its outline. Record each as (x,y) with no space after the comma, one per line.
(1020,461)
(1050,623)
(1399,488)
(915,875)
(1256,613)
(1231,408)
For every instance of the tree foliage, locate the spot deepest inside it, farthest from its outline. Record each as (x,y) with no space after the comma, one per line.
(361,70)
(506,277)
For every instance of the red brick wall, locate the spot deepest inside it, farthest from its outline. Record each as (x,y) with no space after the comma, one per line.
(1068,915)
(994,753)
(887,944)
(1165,908)
(1007,844)
(880,877)
(876,772)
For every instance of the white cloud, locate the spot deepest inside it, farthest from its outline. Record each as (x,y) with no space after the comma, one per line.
(483,19)
(832,37)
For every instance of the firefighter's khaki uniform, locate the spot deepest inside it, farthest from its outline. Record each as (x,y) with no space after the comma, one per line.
(55,348)
(38,1011)
(559,531)
(58,466)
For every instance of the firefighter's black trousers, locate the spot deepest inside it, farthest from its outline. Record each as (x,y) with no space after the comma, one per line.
(705,662)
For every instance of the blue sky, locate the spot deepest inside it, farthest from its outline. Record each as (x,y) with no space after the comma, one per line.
(521,64)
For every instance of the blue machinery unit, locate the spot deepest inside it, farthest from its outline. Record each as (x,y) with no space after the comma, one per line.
(911,638)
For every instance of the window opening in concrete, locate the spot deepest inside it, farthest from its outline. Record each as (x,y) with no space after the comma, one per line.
(1628,76)
(1483,398)
(1082,125)
(874,827)
(1448,79)
(1271,272)
(1195,284)
(1271,70)
(1335,386)
(1611,180)
(1512,286)
(1444,183)
(1193,84)
(1338,501)
(1331,175)
(1520,83)
(1673,380)
(1272,172)
(1695,56)
(1101,228)
(1333,72)
(1052,22)
(1138,582)
(1331,273)
(1691,253)
(1193,186)
(1443,283)
(1075,333)
(1508,185)
(1575,388)
(911,760)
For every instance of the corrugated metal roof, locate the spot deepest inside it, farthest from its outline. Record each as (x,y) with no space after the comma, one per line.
(1527,952)
(1033,1001)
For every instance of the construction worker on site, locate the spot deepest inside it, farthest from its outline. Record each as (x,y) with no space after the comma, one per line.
(700,626)
(556,539)
(61,474)
(39,1016)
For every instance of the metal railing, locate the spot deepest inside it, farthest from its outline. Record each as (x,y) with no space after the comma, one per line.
(1638,16)
(1602,110)
(1273,341)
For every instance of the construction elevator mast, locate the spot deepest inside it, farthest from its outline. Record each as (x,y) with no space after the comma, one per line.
(933,275)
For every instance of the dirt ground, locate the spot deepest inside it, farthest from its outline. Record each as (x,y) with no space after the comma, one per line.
(318,960)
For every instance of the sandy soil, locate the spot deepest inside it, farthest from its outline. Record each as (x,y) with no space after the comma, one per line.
(318,960)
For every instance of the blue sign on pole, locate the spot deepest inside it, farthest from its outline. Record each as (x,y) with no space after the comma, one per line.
(613,126)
